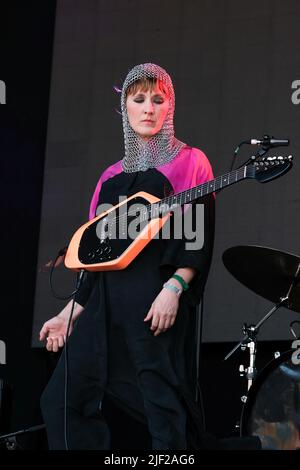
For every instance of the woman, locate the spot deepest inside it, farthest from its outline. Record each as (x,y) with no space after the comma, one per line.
(135,341)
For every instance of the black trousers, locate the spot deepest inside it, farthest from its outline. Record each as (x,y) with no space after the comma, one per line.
(150,388)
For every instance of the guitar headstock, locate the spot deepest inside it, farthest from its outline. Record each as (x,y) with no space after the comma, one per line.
(266,169)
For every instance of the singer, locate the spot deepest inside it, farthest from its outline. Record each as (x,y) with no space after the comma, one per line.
(133,337)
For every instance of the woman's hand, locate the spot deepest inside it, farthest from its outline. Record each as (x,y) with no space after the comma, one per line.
(163,311)
(55,331)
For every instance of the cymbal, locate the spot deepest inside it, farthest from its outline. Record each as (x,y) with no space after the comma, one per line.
(269,273)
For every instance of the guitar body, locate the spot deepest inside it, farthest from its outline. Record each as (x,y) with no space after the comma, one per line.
(103,244)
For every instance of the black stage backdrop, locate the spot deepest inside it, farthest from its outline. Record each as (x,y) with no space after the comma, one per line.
(233,65)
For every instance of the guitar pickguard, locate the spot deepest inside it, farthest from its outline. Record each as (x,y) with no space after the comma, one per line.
(107,238)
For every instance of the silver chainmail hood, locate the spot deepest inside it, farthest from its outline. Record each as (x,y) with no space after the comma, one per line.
(163,146)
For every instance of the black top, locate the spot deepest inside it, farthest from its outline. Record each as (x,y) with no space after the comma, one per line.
(111,330)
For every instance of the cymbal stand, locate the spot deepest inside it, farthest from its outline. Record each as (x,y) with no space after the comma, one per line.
(249,340)
(250,371)
(255,328)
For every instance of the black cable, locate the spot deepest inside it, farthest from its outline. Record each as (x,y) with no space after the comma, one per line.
(199,396)
(61,252)
(236,152)
(78,285)
(80,274)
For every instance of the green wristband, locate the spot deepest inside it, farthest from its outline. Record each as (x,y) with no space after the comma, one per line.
(184,285)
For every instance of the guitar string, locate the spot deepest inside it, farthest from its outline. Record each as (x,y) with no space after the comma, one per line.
(146,210)
(238,173)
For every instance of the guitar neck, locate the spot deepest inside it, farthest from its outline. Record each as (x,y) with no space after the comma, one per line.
(190,195)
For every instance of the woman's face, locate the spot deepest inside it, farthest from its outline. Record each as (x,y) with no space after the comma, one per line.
(147,111)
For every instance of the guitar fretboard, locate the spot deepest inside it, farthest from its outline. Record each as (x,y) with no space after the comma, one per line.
(185,197)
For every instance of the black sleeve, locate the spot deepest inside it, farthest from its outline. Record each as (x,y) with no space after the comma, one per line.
(86,288)
(177,256)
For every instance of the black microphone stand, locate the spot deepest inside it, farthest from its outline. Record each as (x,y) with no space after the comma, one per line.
(10,439)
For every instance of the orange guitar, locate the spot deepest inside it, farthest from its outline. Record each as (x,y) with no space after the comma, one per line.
(103,244)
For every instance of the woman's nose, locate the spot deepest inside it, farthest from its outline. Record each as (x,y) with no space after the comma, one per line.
(148,106)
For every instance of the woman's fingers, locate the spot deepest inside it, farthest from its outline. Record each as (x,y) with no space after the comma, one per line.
(43,333)
(155,322)
(61,341)
(149,315)
(49,344)
(54,343)
(167,324)
(160,326)
(161,323)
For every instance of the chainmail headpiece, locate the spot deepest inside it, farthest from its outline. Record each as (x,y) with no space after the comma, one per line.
(163,146)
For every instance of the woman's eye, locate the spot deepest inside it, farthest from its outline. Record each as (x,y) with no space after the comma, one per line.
(155,100)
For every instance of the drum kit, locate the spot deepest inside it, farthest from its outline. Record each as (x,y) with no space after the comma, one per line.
(271,407)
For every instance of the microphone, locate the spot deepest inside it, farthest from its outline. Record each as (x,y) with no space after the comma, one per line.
(266,143)
(269,141)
